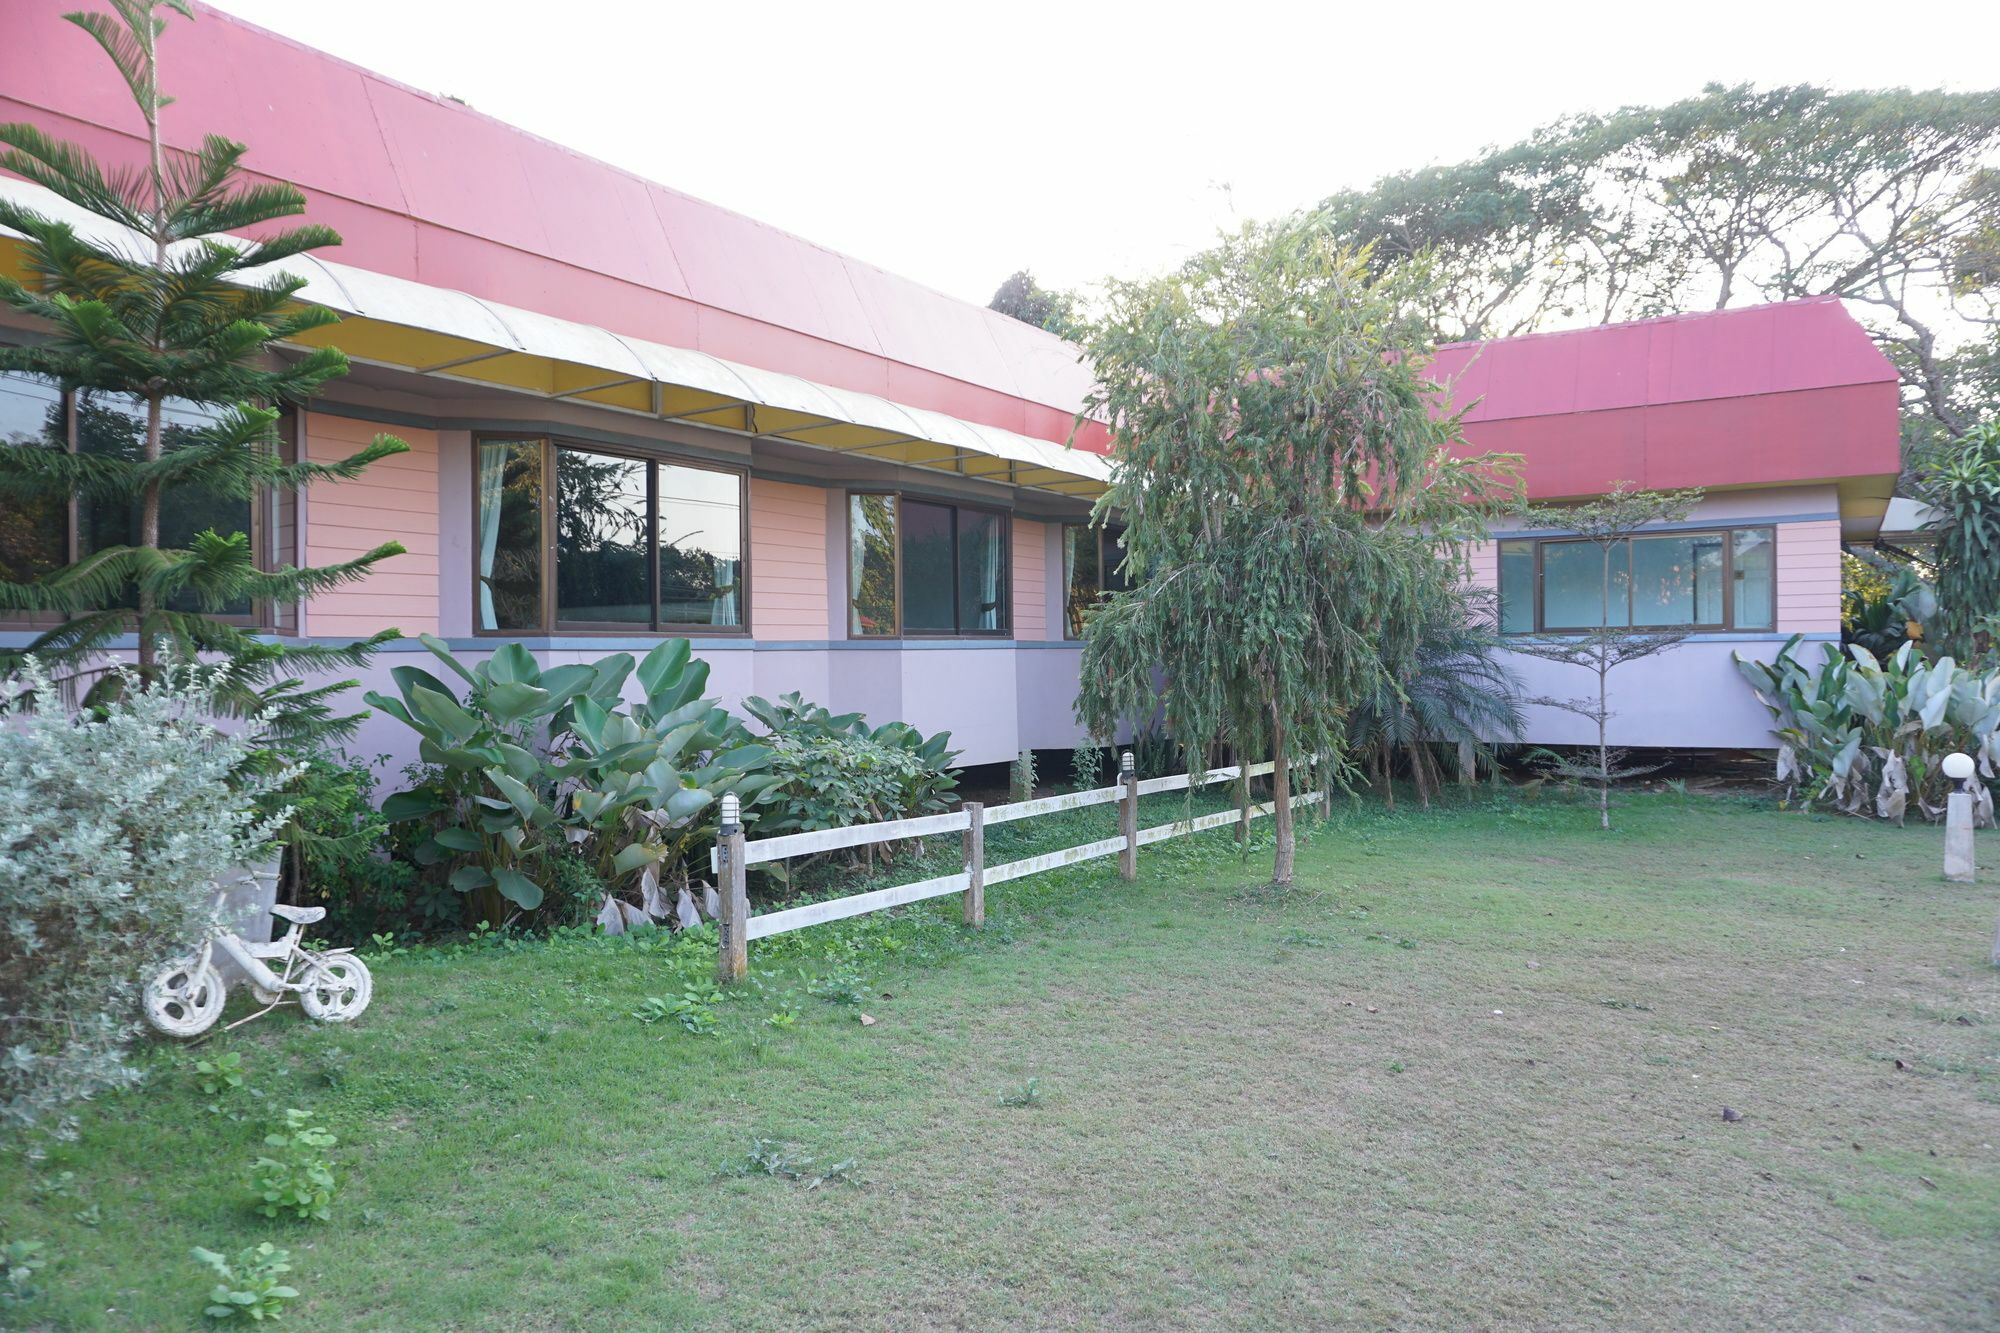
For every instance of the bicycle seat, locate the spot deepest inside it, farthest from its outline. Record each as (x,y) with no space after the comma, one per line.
(298,916)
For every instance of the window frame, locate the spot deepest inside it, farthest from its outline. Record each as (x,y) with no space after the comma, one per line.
(1006,518)
(1109,540)
(550,624)
(263,613)
(1727,534)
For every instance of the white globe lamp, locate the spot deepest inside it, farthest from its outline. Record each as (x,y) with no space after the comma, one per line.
(1958,767)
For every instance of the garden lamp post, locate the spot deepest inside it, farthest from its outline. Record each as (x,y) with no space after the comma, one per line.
(732,960)
(1958,820)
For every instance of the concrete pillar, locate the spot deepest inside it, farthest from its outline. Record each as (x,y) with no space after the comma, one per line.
(1958,838)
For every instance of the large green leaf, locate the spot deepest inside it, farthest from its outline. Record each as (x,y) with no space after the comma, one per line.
(458,839)
(467,878)
(414,804)
(633,856)
(518,889)
(443,712)
(513,664)
(514,702)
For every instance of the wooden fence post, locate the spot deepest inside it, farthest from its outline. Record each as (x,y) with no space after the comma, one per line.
(732,961)
(975,864)
(1325,776)
(1128,817)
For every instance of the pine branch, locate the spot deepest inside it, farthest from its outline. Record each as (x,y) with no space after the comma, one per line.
(303,474)
(291,584)
(65,169)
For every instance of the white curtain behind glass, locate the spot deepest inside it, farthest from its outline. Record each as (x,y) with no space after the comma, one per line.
(492,473)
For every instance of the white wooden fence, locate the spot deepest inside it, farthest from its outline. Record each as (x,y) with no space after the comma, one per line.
(734,854)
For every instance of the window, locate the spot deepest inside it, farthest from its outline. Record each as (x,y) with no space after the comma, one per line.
(574,538)
(41,536)
(1092,569)
(916,567)
(1716,580)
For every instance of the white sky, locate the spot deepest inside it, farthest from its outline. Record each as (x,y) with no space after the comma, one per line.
(956,143)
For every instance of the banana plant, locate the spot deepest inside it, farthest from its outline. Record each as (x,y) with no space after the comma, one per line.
(1868,735)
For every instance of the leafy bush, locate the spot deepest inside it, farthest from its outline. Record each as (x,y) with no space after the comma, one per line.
(1867,737)
(114,828)
(295,1175)
(831,770)
(251,1287)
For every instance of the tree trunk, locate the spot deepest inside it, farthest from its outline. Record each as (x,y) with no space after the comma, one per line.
(1385,771)
(1281,806)
(149,509)
(1603,750)
(1418,770)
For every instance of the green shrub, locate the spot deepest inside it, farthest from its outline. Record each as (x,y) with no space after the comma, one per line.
(115,825)
(295,1174)
(830,770)
(251,1287)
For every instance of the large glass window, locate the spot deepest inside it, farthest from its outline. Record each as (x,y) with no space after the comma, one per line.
(633,542)
(38,537)
(1671,580)
(1093,568)
(919,567)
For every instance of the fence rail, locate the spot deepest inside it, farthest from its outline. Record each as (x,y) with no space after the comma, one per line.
(734,853)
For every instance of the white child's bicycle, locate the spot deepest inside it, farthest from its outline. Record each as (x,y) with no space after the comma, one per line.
(184,998)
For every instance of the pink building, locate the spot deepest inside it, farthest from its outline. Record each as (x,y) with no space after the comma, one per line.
(634,414)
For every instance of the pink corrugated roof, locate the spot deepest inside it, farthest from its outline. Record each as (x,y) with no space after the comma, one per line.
(1784,348)
(425,188)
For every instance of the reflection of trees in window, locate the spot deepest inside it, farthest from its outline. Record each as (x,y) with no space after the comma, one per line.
(1093,569)
(115,424)
(871,564)
(34,531)
(950,562)
(623,526)
(603,538)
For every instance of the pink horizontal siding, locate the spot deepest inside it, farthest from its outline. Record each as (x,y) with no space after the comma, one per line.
(394,500)
(1809,577)
(788,589)
(1482,564)
(1031,570)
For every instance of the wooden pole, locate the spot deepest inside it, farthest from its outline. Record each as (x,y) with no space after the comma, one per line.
(975,864)
(732,962)
(1128,818)
(1325,776)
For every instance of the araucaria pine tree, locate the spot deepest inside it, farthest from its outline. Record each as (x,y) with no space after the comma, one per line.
(1609,525)
(172,302)
(1292,500)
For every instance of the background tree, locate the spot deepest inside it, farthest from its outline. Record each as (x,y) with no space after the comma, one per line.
(1282,466)
(1962,482)
(1028,301)
(177,308)
(1608,524)
(1889,199)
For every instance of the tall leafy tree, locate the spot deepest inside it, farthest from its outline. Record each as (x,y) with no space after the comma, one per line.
(1889,199)
(173,302)
(1284,470)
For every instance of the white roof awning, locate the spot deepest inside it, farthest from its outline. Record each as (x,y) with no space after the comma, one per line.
(433,331)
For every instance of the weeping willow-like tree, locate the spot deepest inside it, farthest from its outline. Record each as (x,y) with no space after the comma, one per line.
(1292,506)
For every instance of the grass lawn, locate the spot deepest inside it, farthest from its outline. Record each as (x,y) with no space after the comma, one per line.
(1469,1073)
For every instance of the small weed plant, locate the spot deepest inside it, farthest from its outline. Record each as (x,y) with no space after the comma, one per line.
(295,1176)
(251,1286)
(222,1074)
(20,1260)
(772,1157)
(1028,1094)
